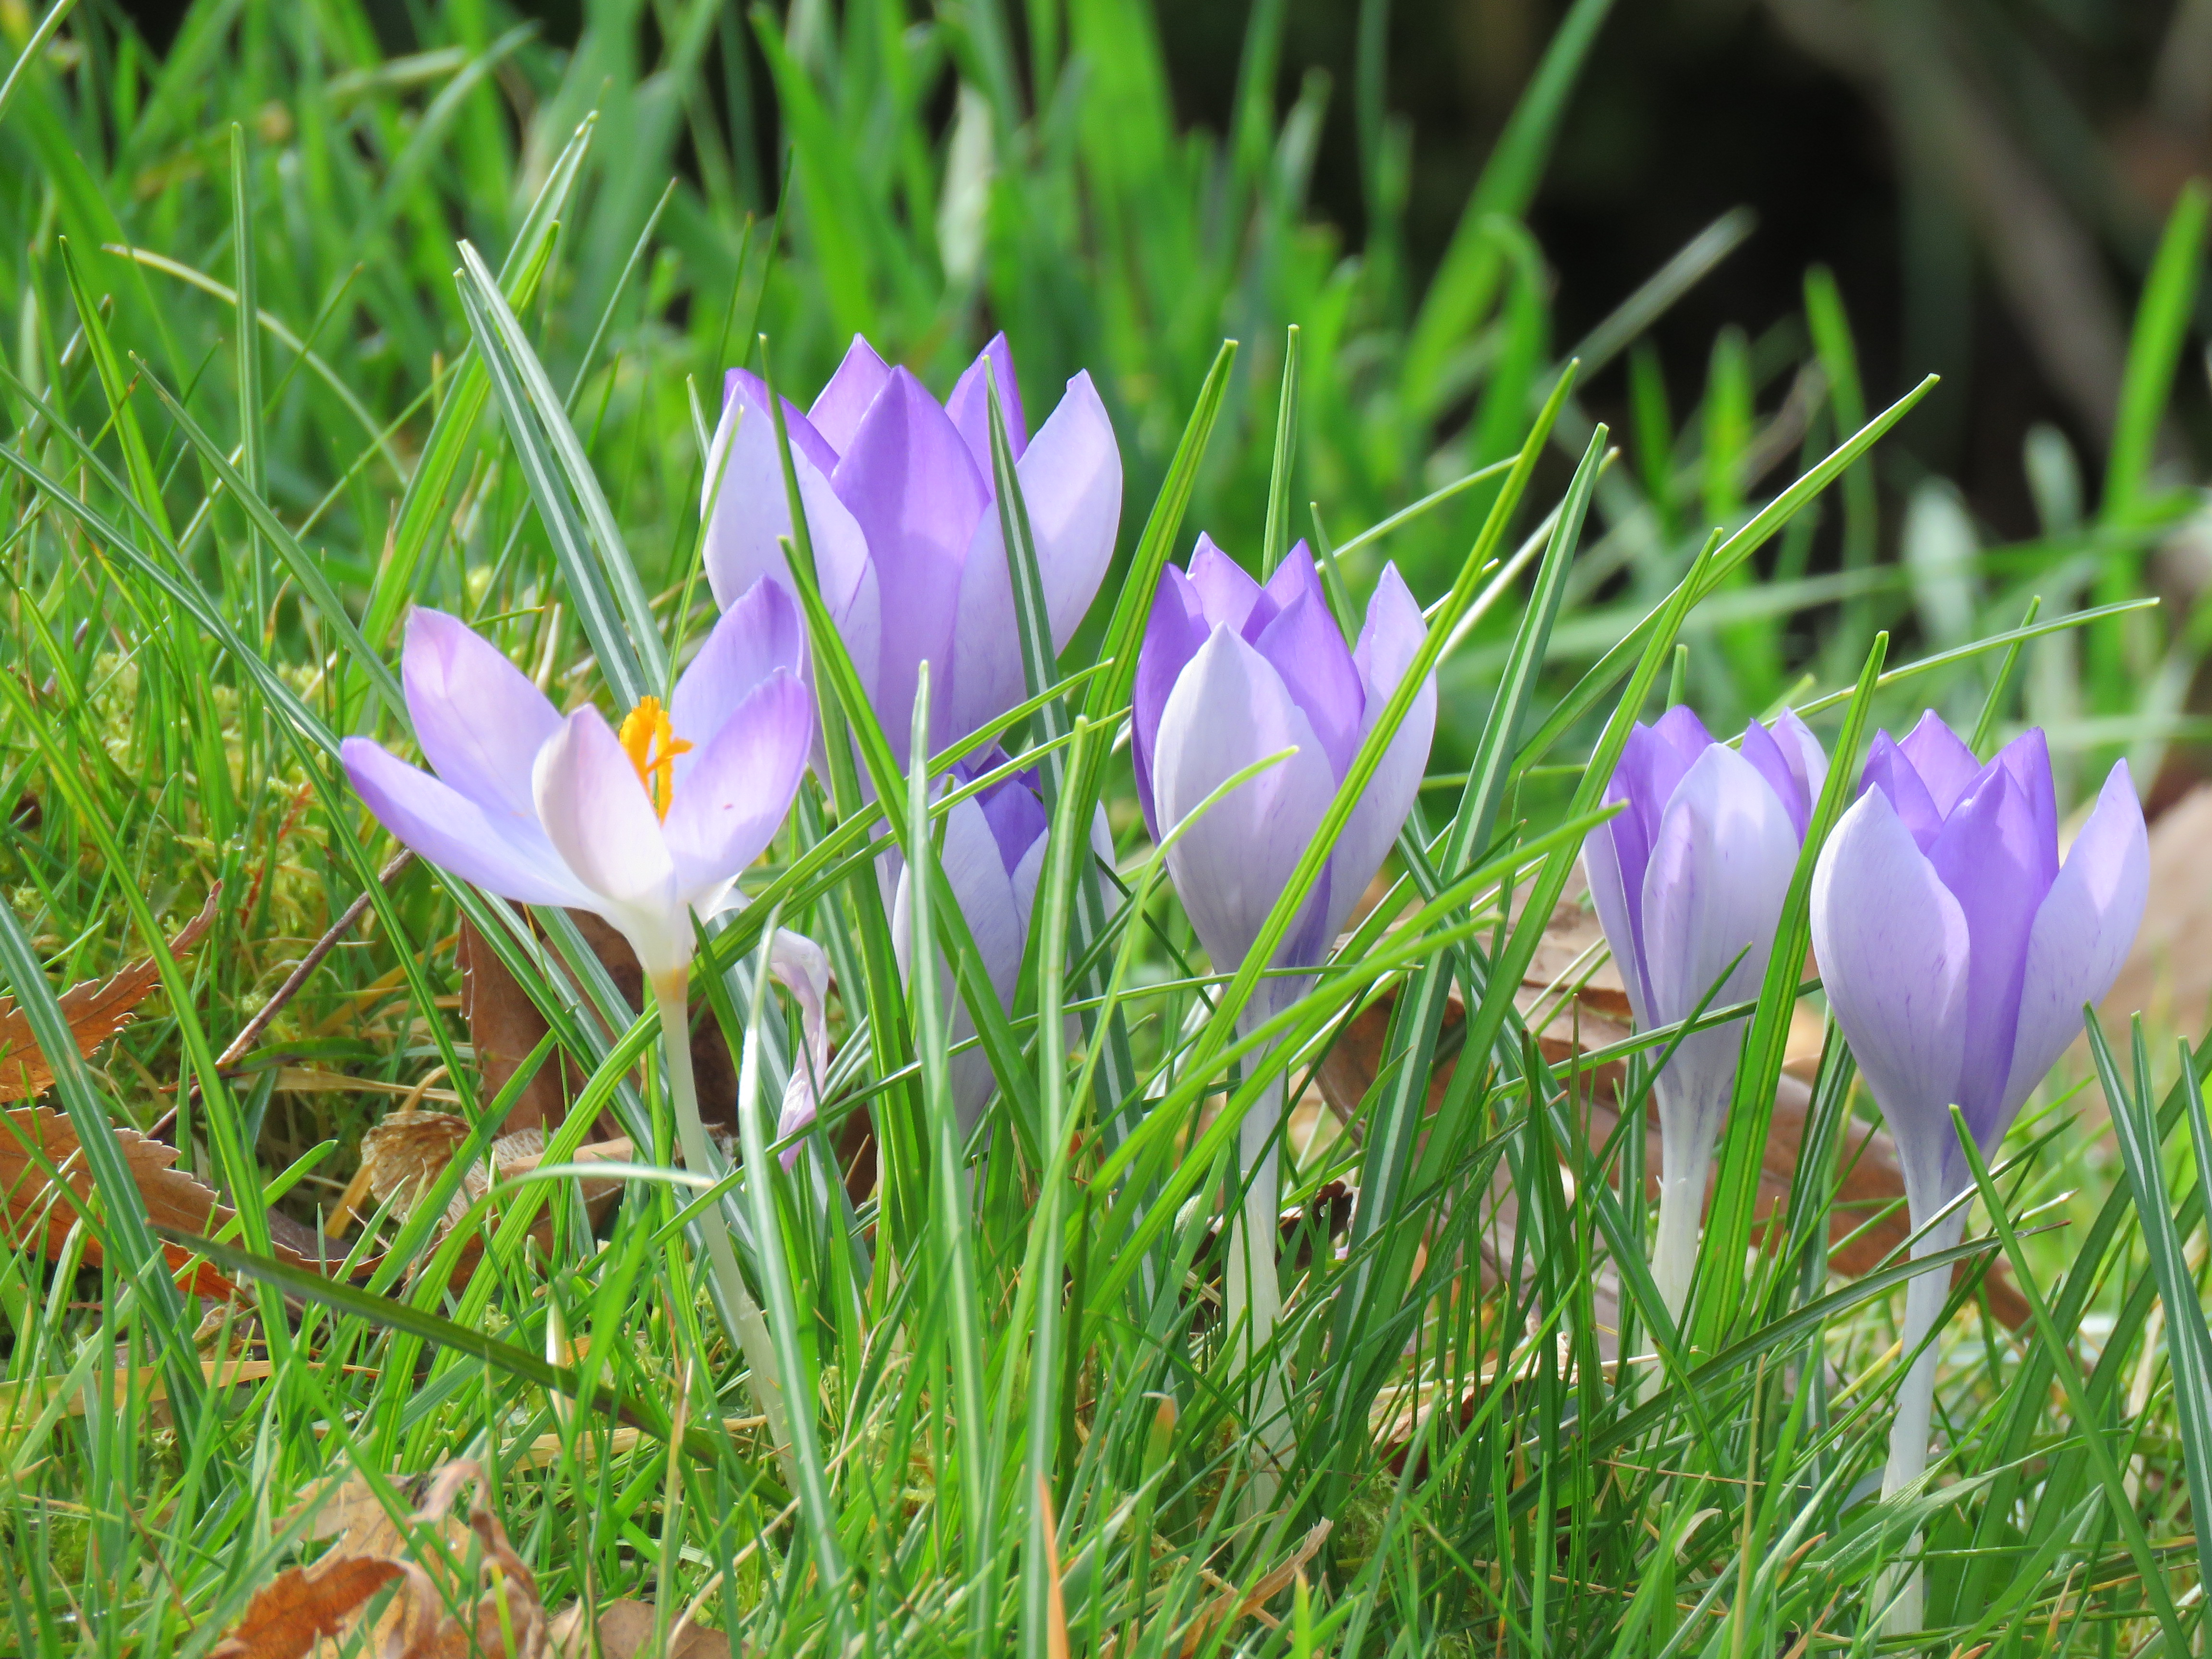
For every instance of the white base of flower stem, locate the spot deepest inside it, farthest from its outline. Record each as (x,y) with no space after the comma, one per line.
(1924,1297)
(740,1313)
(1254,1288)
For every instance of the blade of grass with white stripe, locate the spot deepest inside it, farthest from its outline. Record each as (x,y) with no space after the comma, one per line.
(949,1207)
(632,661)
(2188,1338)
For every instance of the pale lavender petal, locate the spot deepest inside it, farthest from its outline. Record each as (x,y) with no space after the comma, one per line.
(501,856)
(762,632)
(917,496)
(2027,759)
(1308,650)
(802,968)
(746,508)
(1229,709)
(970,409)
(601,822)
(1387,643)
(1806,760)
(1173,633)
(1941,759)
(1685,737)
(1766,756)
(1294,578)
(1986,855)
(1072,485)
(727,810)
(1889,770)
(1892,946)
(977,881)
(1226,592)
(1719,871)
(2080,939)
(1616,915)
(478,718)
(1017,817)
(843,404)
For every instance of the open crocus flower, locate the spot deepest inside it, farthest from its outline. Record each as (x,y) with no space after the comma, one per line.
(900,505)
(1231,672)
(645,824)
(1958,952)
(1689,882)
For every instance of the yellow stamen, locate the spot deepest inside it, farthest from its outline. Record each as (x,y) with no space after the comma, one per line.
(652,745)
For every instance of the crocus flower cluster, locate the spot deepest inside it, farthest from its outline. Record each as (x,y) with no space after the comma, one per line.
(1958,951)
(1688,880)
(900,506)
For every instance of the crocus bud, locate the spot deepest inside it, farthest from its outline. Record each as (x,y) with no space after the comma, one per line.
(1958,952)
(1689,881)
(903,518)
(1232,672)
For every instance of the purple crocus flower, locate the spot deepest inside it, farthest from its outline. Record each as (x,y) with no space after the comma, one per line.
(900,505)
(1688,882)
(1231,672)
(1958,952)
(645,825)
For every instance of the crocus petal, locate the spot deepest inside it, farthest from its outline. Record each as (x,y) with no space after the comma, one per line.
(747,509)
(1388,644)
(1986,855)
(1173,633)
(1226,592)
(600,820)
(1782,759)
(843,403)
(1941,759)
(1229,709)
(1071,480)
(1617,914)
(2080,937)
(478,718)
(2026,758)
(727,808)
(1308,650)
(802,968)
(1685,735)
(916,496)
(1890,770)
(454,833)
(970,410)
(976,880)
(1719,871)
(1893,948)
(762,632)
(1016,816)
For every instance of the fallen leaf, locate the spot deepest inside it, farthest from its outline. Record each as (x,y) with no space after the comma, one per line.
(95,1009)
(306,1607)
(403,1155)
(31,1209)
(624,1629)
(477,1576)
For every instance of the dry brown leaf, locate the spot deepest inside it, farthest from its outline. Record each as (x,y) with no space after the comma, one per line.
(306,1607)
(95,1009)
(624,1629)
(502,1618)
(1234,1605)
(32,1210)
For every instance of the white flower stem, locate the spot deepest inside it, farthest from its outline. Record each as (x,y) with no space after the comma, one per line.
(740,1313)
(1254,1291)
(1924,1297)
